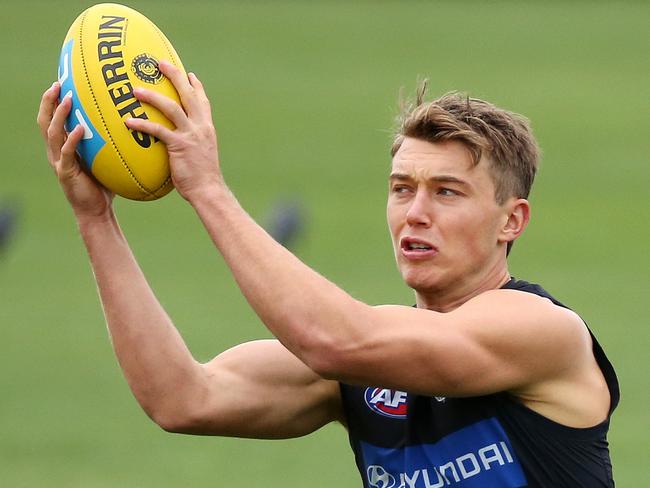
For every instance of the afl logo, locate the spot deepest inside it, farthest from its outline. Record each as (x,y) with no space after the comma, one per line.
(389,403)
(146,68)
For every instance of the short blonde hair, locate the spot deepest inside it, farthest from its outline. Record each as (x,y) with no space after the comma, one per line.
(506,138)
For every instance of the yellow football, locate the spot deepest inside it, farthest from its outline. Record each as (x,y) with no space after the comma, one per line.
(109,50)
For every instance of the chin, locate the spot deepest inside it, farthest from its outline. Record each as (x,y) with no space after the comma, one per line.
(421,282)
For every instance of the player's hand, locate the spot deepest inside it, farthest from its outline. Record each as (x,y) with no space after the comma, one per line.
(192,146)
(87,197)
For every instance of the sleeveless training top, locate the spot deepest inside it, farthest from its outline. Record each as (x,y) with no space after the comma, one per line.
(410,441)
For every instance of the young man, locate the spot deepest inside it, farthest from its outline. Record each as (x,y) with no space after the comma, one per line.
(499,384)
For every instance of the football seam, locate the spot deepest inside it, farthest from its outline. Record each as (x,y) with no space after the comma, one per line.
(173,58)
(92,93)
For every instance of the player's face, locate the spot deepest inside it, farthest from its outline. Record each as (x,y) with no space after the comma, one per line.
(443,217)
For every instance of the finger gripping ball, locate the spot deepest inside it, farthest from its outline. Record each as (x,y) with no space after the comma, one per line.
(109,50)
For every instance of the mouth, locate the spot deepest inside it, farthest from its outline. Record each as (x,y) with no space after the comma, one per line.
(414,248)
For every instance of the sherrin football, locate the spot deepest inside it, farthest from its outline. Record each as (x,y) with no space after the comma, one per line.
(109,50)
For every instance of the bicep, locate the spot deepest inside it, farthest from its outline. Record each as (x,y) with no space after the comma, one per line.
(261,390)
(493,343)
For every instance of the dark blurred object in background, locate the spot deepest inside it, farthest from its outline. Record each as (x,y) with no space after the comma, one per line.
(8,218)
(285,221)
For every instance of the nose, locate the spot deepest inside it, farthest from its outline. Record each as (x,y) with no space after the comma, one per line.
(419,212)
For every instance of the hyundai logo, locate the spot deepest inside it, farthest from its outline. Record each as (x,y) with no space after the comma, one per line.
(379,477)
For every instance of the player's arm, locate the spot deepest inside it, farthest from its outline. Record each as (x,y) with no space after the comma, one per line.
(269,393)
(500,341)
(236,393)
(258,389)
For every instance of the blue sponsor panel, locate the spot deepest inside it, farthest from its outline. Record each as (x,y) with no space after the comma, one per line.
(477,456)
(92,142)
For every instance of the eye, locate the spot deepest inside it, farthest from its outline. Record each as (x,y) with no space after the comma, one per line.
(447,192)
(400,189)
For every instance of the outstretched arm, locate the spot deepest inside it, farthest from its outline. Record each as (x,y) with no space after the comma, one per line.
(499,341)
(232,395)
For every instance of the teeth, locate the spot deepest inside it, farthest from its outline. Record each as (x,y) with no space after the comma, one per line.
(414,245)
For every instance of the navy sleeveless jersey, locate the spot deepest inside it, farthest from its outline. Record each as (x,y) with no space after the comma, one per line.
(402,440)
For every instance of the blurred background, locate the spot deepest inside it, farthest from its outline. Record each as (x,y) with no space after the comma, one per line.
(304,95)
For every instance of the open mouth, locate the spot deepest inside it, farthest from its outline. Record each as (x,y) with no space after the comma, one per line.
(413,246)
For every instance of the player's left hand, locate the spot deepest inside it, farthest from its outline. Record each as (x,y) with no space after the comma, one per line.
(88,199)
(192,146)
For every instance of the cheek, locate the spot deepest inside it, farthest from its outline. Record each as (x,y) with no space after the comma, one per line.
(394,220)
(474,235)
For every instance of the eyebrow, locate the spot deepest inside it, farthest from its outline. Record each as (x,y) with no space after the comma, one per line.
(433,179)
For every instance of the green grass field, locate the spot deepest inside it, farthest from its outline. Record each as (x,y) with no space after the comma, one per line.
(304,94)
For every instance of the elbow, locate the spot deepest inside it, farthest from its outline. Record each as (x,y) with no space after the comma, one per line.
(178,415)
(323,364)
(168,423)
(166,420)
(177,422)
(330,358)
(178,404)
(335,353)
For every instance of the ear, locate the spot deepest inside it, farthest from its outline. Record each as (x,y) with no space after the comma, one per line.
(516,219)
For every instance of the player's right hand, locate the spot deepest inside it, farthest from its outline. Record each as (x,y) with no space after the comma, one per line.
(86,196)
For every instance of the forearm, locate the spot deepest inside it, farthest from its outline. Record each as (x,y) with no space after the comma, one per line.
(156,362)
(305,311)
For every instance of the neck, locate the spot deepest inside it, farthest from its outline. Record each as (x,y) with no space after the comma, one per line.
(450,299)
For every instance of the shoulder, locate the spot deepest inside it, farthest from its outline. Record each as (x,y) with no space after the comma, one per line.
(553,344)
(527,329)
(525,312)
